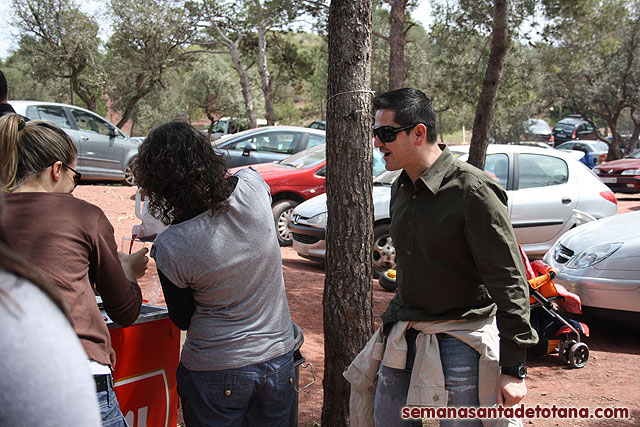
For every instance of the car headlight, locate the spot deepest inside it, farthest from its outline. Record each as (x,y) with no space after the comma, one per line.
(320,219)
(593,255)
(597,171)
(630,172)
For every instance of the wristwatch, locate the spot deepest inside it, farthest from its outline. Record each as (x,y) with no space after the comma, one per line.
(519,371)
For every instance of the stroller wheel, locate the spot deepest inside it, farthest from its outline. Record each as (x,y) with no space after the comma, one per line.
(565,350)
(578,355)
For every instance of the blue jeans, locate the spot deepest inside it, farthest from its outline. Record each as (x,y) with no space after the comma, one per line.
(254,395)
(460,368)
(110,409)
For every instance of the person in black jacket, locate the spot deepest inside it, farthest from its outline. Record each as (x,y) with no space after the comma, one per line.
(5,108)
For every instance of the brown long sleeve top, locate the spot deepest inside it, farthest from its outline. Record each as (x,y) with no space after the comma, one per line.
(73,242)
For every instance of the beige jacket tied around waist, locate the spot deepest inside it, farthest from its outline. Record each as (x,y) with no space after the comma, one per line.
(427,379)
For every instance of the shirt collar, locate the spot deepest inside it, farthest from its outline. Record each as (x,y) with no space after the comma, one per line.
(433,176)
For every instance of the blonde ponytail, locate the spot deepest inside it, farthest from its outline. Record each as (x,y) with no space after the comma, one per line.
(27,148)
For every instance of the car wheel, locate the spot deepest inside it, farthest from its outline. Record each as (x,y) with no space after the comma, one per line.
(129,179)
(384,254)
(281,212)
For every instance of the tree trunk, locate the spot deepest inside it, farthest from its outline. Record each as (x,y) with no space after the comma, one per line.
(397,41)
(264,75)
(487,101)
(244,83)
(347,299)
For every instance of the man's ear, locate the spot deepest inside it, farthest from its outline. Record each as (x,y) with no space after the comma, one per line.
(420,132)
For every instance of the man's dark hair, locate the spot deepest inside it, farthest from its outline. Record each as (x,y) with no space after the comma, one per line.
(410,106)
(4,89)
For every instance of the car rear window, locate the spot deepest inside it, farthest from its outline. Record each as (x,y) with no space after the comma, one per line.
(565,127)
(536,170)
(53,114)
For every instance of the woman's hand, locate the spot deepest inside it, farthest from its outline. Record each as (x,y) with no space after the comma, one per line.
(134,265)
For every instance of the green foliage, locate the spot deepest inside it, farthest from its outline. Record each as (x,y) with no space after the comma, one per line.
(149,38)
(62,42)
(594,63)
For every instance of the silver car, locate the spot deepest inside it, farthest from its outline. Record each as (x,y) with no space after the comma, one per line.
(104,151)
(549,193)
(267,144)
(600,262)
(597,149)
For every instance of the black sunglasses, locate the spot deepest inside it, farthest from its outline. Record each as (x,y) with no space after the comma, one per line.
(76,177)
(388,133)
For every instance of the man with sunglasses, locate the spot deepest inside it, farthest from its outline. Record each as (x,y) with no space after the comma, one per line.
(461,280)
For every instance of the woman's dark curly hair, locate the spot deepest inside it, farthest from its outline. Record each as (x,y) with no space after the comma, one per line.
(181,173)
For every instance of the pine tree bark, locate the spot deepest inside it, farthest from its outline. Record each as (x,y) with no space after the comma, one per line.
(488,95)
(347,299)
(397,41)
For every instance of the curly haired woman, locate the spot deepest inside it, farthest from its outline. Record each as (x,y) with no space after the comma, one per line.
(220,268)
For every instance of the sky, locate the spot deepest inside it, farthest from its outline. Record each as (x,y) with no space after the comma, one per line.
(8,32)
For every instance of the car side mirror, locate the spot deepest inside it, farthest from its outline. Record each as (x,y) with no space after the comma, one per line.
(112,133)
(248,149)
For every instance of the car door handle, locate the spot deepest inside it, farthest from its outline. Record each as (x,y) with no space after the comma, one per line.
(84,138)
(566,200)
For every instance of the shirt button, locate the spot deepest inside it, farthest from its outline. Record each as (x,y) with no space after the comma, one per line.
(409,252)
(413,196)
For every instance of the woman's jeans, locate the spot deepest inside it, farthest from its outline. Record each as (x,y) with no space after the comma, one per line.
(460,368)
(254,395)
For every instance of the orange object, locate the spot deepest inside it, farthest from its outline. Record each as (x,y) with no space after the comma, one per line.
(147,356)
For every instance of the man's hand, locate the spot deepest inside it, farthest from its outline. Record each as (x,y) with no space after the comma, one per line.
(510,390)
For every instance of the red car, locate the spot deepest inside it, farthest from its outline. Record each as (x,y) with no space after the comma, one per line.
(295,179)
(623,175)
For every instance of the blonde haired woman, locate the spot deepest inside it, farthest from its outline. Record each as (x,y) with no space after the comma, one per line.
(70,240)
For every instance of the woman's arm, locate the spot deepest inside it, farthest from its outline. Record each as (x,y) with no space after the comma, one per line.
(179,302)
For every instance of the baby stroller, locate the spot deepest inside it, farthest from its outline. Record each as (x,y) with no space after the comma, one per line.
(555,332)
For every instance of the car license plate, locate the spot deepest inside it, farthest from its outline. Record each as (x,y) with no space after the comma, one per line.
(300,248)
(607,180)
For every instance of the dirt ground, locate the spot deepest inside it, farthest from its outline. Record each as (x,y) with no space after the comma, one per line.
(610,379)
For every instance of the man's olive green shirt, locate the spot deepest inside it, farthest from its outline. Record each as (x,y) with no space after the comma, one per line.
(456,253)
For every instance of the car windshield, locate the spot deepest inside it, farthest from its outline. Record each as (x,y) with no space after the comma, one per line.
(600,146)
(635,155)
(386,177)
(306,158)
(537,127)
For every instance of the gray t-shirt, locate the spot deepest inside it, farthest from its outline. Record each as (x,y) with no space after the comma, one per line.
(44,372)
(233,264)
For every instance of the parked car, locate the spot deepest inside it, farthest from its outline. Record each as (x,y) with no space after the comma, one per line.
(308,224)
(573,127)
(600,262)
(597,149)
(537,130)
(104,151)
(623,175)
(267,144)
(549,193)
(296,179)
(318,124)
(229,126)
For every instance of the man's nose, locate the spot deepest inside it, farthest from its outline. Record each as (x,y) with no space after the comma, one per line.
(377,143)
